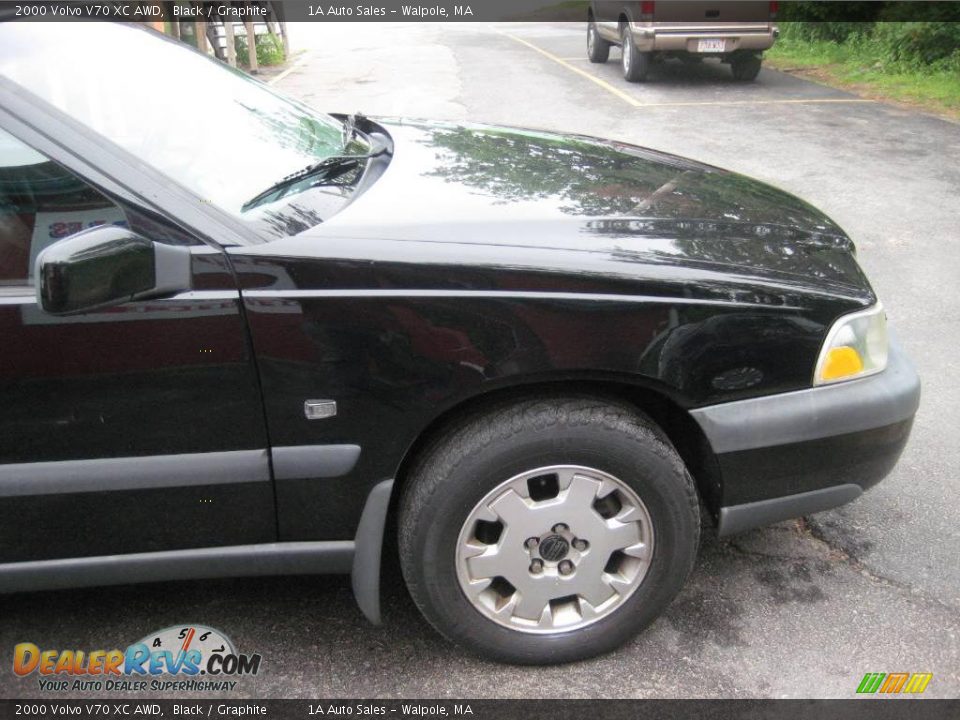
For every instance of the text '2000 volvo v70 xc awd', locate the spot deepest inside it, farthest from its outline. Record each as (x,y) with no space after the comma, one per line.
(238,332)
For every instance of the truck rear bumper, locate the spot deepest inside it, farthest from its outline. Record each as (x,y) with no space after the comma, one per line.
(787,455)
(648,39)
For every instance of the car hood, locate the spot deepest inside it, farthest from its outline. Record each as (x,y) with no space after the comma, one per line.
(521,198)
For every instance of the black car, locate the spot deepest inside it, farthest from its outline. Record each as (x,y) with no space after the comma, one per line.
(238,334)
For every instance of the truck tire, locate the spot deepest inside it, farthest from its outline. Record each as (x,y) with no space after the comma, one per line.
(635,64)
(598,49)
(746,67)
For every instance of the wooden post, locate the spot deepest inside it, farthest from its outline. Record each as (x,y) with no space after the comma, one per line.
(286,40)
(200,30)
(251,43)
(171,18)
(168,18)
(280,14)
(228,38)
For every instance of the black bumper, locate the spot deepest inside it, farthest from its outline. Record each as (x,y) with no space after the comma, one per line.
(788,455)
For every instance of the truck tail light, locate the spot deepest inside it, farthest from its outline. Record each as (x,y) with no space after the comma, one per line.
(774,8)
(646,10)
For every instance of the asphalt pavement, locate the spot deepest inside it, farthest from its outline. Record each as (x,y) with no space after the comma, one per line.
(801,609)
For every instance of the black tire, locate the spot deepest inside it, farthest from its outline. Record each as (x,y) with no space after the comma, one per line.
(746,67)
(635,64)
(450,478)
(598,49)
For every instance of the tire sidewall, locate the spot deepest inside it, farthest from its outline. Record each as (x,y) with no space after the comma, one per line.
(639,62)
(598,49)
(629,54)
(653,476)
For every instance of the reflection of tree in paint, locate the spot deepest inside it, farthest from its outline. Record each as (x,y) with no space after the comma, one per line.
(291,126)
(588,179)
(600,179)
(738,245)
(310,202)
(686,212)
(290,220)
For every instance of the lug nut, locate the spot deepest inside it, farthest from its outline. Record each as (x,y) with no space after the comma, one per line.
(580,545)
(560,527)
(536,567)
(531,543)
(565,567)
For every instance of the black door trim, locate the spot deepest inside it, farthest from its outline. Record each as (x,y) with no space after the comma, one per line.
(288,558)
(297,462)
(134,473)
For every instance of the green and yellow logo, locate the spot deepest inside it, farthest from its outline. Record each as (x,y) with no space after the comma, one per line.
(894,683)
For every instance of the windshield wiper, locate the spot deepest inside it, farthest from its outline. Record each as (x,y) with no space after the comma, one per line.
(329,163)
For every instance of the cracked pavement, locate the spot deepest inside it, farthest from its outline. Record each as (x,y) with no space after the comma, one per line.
(801,609)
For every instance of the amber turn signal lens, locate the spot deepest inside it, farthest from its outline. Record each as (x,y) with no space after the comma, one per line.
(855,346)
(841,362)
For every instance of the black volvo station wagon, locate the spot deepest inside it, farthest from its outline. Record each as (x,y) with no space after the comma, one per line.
(237,333)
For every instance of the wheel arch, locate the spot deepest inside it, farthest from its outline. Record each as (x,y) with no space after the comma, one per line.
(678,425)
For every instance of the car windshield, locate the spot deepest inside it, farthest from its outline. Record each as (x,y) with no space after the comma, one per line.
(212,129)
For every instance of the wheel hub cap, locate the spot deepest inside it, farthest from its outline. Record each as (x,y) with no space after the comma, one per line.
(554,549)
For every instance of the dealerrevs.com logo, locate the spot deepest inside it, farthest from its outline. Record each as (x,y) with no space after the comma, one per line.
(183,658)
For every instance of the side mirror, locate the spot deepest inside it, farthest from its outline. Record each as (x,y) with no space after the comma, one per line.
(107,265)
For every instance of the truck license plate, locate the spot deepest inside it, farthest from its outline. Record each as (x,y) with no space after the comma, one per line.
(705,46)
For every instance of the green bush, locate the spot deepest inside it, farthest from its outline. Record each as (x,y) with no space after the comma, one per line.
(914,44)
(911,32)
(827,20)
(833,31)
(269,50)
(887,45)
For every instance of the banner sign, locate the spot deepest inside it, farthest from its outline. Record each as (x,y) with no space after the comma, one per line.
(114,708)
(423,10)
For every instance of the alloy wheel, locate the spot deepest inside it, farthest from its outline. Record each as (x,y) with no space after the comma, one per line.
(554,549)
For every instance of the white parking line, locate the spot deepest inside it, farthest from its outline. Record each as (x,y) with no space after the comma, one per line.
(277,78)
(693,103)
(592,78)
(785,101)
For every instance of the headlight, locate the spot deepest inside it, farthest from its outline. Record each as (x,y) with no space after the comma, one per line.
(856,346)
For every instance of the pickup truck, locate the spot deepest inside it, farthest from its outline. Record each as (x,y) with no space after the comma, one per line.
(735,32)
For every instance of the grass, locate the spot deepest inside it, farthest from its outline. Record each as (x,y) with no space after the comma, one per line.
(856,66)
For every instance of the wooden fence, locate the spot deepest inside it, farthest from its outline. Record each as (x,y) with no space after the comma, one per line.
(219,36)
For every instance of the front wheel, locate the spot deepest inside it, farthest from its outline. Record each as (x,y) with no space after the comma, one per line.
(598,49)
(635,64)
(549,530)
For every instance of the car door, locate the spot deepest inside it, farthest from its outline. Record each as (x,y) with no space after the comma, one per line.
(130,429)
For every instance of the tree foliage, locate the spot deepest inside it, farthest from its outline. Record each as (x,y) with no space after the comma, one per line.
(269,50)
(895,33)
